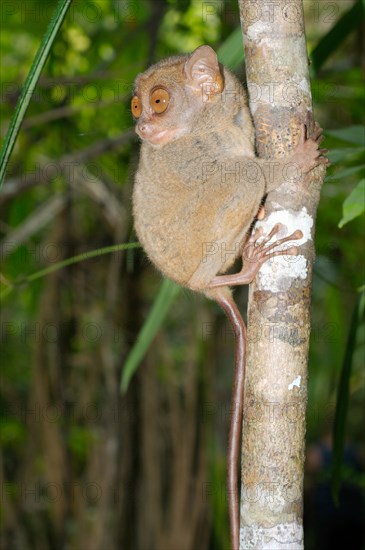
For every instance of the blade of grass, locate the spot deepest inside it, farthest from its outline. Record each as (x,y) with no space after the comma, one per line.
(343,399)
(30,84)
(69,261)
(161,306)
(350,21)
(231,51)
(353,134)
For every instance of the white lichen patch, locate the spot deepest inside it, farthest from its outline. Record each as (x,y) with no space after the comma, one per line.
(295,383)
(257,30)
(278,273)
(278,276)
(292,220)
(285,536)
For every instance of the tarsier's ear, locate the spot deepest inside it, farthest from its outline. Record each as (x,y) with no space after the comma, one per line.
(203,73)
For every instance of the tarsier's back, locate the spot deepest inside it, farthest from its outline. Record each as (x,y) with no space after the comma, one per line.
(187,190)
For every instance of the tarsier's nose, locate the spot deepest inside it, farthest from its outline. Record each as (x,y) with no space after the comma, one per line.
(144,129)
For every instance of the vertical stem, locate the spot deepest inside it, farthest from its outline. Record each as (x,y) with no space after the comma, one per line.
(279,302)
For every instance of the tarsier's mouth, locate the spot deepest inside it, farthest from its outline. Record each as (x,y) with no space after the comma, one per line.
(159,138)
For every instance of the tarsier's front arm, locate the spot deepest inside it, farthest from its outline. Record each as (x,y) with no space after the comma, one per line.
(199,188)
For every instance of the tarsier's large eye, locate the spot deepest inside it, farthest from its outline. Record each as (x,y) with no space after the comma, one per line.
(136,106)
(159,100)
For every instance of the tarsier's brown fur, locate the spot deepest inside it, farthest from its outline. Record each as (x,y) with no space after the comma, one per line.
(191,211)
(199,187)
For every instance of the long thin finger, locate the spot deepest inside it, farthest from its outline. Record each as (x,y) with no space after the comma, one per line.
(256,235)
(322,160)
(316,133)
(294,236)
(268,237)
(303,133)
(293,251)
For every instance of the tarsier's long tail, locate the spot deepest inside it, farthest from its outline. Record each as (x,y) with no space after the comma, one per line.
(225,300)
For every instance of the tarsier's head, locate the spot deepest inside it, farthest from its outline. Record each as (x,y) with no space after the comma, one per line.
(169,94)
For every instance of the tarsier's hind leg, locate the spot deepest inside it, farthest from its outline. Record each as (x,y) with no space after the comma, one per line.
(254,255)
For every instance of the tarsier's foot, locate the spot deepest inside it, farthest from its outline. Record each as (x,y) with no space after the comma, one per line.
(307,154)
(254,255)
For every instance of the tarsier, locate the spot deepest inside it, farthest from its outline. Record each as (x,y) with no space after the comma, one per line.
(198,189)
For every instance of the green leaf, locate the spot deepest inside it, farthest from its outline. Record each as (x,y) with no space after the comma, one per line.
(30,84)
(353,134)
(231,51)
(343,398)
(345,154)
(342,174)
(350,21)
(167,293)
(354,205)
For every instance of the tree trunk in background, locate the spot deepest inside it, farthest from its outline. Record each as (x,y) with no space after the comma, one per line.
(279,301)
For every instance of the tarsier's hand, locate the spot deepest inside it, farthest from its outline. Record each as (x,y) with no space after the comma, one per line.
(307,154)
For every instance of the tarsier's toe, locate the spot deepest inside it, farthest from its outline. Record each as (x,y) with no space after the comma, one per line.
(317,134)
(257,234)
(322,160)
(302,134)
(317,128)
(266,251)
(276,229)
